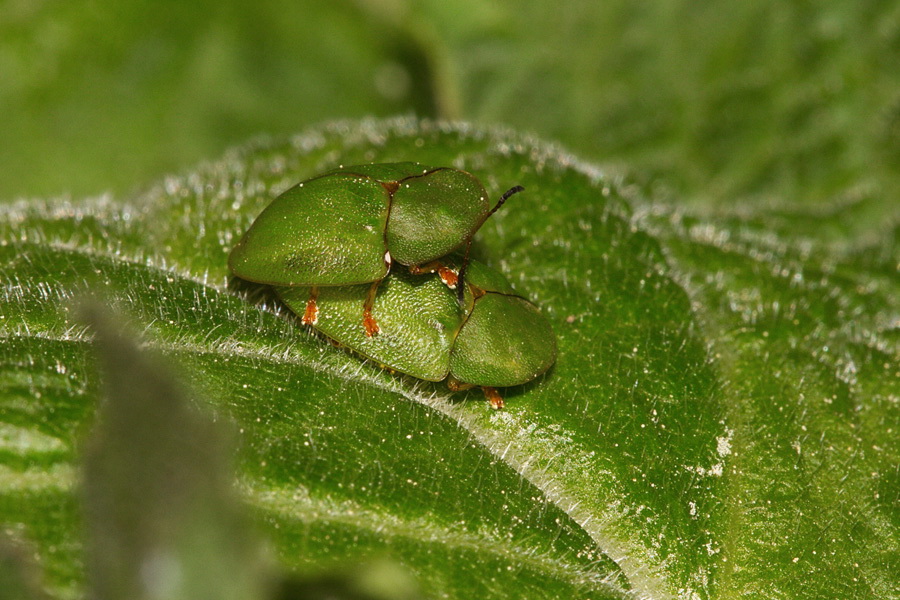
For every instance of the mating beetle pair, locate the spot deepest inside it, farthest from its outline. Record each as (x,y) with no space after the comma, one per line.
(497,339)
(342,231)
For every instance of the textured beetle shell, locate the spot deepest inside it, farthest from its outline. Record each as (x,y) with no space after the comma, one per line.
(497,339)
(337,228)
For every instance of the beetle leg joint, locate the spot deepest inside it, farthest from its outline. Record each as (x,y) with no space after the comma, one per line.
(311,314)
(369,323)
(449,278)
(447,275)
(494,397)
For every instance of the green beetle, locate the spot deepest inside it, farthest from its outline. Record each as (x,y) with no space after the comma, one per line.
(347,226)
(496,339)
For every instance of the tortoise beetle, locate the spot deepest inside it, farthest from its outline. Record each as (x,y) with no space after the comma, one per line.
(347,227)
(496,339)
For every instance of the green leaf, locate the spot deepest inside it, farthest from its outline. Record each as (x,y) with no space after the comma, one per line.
(721,420)
(159,509)
(107,95)
(18,575)
(716,100)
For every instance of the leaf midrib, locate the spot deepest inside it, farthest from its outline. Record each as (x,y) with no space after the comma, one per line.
(285,504)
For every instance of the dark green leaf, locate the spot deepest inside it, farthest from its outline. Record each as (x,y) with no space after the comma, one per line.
(160,514)
(716,100)
(720,421)
(18,574)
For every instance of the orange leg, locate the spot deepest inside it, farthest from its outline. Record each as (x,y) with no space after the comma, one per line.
(447,275)
(494,397)
(311,314)
(369,323)
(456,385)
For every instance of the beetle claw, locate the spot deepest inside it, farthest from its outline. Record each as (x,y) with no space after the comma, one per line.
(370,325)
(494,397)
(448,277)
(311,314)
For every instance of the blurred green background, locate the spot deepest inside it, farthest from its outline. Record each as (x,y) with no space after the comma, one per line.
(713,102)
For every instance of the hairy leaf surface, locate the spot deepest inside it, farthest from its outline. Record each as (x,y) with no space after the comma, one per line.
(721,421)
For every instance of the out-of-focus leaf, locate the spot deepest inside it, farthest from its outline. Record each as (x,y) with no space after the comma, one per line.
(720,422)
(160,513)
(761,101)
(765,101)
(105,95)
(19,578)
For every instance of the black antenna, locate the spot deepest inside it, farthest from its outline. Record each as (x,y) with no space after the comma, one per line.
(460,282)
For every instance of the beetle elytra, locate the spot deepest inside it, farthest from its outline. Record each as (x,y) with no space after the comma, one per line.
(495,339)
(348,226)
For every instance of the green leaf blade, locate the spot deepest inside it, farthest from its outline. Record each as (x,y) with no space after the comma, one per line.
(656,459)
